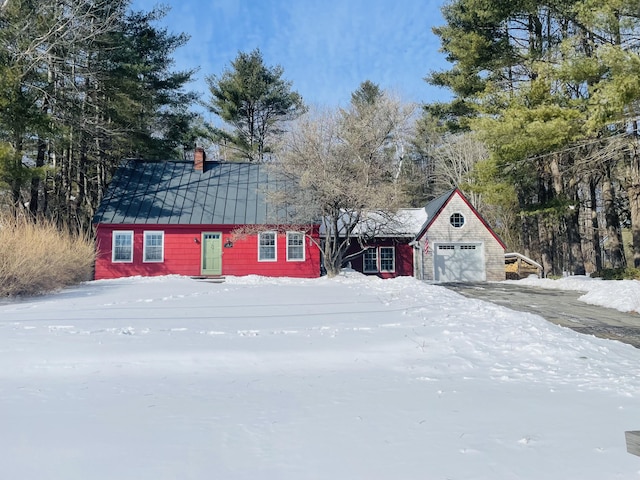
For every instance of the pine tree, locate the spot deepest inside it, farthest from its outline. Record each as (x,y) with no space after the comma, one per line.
(550,87)
(91,83)
(255,101)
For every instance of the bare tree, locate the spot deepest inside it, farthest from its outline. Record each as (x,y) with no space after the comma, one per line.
(344,164)
(461,160)
(454,162)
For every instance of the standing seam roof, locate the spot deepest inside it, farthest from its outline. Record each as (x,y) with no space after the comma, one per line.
(172,192)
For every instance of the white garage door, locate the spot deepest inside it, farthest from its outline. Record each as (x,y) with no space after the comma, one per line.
(459,262)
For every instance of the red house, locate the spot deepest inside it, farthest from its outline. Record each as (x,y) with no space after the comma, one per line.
(383,244)
(446,241)
(177,217)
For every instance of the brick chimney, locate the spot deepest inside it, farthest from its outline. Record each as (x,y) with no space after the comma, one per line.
(198,159)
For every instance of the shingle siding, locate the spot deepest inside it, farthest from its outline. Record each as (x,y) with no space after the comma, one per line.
(474,230)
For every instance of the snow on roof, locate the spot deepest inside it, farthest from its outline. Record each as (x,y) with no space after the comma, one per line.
(406,222)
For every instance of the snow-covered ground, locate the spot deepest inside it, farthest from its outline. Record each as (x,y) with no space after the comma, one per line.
(350,378)
(623,295)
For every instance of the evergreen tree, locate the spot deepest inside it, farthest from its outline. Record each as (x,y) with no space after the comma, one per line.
(255,101)
(550,87)
(90,82)
(366,94)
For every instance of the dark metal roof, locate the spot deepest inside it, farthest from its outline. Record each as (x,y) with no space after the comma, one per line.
(434,206)
(173,192)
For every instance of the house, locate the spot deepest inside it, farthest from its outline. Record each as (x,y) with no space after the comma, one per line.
(446,241)
(183,217)
(382,243)
(456,244)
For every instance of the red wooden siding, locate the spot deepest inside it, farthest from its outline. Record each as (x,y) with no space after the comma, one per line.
(183,252)
(403,252)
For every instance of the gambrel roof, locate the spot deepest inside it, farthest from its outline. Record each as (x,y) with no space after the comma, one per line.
(173,192)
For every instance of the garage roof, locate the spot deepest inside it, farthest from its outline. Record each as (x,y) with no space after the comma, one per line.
(434,207)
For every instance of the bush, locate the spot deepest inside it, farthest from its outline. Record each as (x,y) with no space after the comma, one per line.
(618,274)
(37,258)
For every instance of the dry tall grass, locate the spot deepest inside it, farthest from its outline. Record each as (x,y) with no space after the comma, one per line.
(36,258)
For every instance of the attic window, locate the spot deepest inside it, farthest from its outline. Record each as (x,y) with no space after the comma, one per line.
(456,220)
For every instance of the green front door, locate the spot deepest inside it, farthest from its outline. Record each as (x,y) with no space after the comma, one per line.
(211,254)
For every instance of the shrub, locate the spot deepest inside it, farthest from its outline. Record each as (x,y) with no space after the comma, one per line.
(36,258)
(618,274)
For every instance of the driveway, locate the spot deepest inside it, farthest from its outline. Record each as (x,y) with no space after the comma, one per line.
(560,307)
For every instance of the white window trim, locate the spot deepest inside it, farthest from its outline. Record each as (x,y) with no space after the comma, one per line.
(113,245)
(393,249)
(304,250)
(275,247)
(364,262)
(464,220)
(144,246)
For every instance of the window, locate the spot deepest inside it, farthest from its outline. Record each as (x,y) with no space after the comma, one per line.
(122,247)
(370,260)
(446,247)
(467,247)
(295,246)
(456,220)
(267,247)
(387,259)
(153,250)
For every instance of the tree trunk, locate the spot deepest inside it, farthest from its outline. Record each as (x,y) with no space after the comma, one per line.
(571,217)
(546,245)
(595,227)
(634,204)
(35,179)
(633,192)
(576,258)
(614,232)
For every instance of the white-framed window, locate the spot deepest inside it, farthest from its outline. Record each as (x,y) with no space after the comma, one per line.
(295,246)
(370,260)
(122,246)
(379,259)
(267,247)
(153,248)
(456,220)
(387,259)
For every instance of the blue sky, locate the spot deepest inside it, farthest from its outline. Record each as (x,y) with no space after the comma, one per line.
(326,47)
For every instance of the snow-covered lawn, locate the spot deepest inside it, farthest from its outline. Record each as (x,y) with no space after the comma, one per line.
(350,378)
(623,295)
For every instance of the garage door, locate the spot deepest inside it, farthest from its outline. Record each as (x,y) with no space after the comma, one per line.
(459,262)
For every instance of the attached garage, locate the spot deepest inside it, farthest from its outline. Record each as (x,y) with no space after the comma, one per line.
(456,244)
(459,262)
